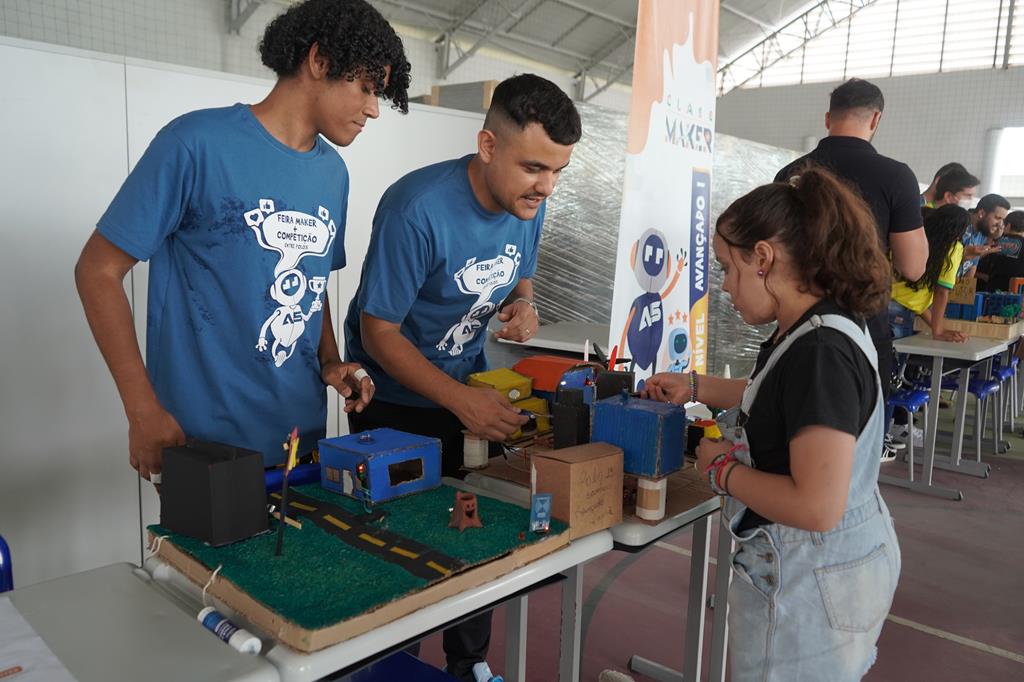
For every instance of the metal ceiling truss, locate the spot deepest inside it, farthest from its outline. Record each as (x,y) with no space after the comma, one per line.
(502,33)
(615,73)
(238,12)
(787,40)
(508,18)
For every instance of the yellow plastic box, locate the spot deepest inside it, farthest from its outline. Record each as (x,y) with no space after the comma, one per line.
(538,406)
(514,385)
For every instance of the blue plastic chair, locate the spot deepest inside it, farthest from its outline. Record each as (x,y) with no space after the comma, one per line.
(911,400)
(6,571)
(982,390)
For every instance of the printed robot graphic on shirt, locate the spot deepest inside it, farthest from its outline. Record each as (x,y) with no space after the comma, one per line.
(483,279)
(293,235)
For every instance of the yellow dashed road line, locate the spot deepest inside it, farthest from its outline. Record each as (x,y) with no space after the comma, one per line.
(336,522)
(303,507)
(438,567)
(372,540)
(406,553)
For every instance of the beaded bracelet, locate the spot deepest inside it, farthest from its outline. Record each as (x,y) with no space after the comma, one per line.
(693,387)
(716,468)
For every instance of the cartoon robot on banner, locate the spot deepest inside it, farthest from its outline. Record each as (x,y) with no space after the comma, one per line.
(645,324)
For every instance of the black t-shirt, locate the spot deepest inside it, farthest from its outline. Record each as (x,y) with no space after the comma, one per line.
(888,186)
(824,379)
(1000,268)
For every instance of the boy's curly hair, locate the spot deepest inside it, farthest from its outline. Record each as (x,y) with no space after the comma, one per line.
(354,38)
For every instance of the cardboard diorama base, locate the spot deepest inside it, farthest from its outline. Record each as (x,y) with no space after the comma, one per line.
(309,640)
(985,330)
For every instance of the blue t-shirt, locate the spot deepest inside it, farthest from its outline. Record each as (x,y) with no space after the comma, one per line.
(971,238)
(439,264)
(241,233)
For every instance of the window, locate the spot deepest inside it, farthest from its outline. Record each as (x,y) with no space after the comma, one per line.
(885,38)
(403,472)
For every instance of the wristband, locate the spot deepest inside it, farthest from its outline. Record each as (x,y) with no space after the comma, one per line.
(693,387)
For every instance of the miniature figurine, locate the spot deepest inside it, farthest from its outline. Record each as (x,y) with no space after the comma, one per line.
(465,515)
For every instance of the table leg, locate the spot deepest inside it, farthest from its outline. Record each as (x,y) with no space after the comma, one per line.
(720,619)
(700,548)
(572,617)
(961,416)
(515,639)
(694,646)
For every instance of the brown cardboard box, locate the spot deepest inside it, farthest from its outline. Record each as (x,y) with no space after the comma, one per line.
(585,483)
(964,291)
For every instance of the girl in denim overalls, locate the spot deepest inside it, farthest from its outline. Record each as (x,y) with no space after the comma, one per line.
(817,559)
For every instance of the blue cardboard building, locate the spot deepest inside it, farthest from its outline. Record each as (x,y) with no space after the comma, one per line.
(379,465)
(651,434)
(987,303)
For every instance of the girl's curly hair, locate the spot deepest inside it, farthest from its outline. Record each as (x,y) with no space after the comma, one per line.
(827,230)
(354,38)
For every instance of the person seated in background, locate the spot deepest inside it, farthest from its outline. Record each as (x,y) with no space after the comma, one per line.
(996,270)
(1014,224)
(928,296)
(928,196)
(957,186)
(986,219)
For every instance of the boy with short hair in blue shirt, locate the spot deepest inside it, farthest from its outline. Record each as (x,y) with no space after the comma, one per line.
(452,245)
(241,213)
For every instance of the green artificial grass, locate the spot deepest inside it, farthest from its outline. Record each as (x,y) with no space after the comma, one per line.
(319,580)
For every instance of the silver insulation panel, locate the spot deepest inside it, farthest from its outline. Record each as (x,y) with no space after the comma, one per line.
(576,265)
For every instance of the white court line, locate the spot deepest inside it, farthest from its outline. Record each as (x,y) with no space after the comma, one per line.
(682,552)
(942,634)
(927,629)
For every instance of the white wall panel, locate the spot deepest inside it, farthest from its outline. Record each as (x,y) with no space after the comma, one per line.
(68,499)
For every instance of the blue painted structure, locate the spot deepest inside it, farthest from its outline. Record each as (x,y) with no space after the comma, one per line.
(985,304)
(361,465)
(6,571)
(652,434)
(273,479)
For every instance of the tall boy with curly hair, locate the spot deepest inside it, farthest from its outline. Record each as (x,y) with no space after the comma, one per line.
(241,213)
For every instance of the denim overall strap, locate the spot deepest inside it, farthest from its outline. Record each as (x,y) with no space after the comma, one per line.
(838,322)
(865,474)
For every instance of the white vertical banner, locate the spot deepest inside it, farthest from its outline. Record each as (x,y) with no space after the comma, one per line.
(660,304)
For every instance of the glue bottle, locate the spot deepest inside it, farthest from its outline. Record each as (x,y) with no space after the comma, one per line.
(237,638)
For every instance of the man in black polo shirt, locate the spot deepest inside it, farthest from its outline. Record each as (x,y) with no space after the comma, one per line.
(888,186)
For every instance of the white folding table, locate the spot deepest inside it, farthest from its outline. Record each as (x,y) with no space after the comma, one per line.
(113,623)
(635,536)
(971,352)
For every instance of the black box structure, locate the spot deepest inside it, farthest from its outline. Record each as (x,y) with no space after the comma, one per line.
(570,418)
(213,492)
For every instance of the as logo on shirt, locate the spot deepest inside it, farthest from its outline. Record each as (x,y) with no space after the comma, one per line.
(293,235)
(481,278)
